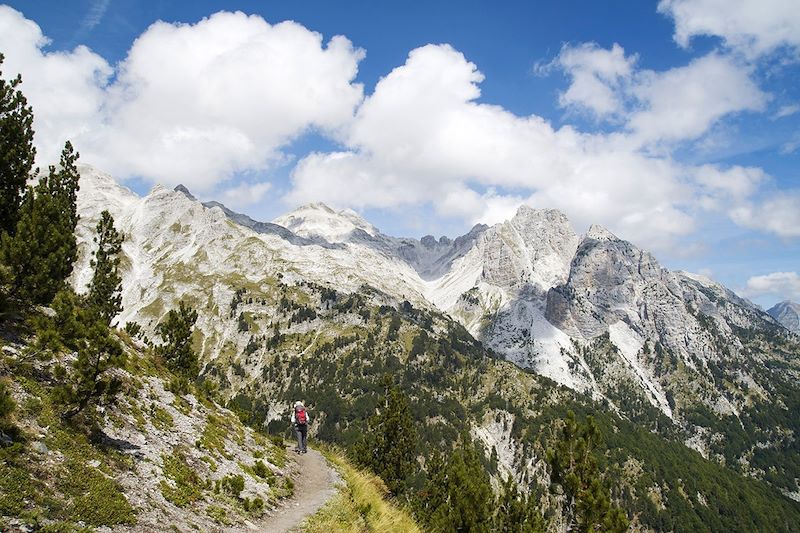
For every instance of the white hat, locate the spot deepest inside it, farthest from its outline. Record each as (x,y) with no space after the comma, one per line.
(298,404)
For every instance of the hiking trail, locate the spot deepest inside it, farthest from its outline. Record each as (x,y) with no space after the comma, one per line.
(314,485)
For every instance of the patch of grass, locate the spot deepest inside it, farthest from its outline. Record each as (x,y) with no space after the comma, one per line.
(161,418)
(211,463)
(186,486)
(214,434)
(94,499)
(360,505)
(17,486)
(218,514)
(182,405)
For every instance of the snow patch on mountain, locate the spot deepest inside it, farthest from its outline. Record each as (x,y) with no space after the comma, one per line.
(630,345)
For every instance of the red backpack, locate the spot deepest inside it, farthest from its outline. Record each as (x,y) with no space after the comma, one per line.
(300,415)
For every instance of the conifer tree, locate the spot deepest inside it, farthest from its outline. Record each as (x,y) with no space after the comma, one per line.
(105,290)
(17,152)
(458,495)
(40,254)
(516,512)
(90,381)
(176,330)
(389,445)
(587,501)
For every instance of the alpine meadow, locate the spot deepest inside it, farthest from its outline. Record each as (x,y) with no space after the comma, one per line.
(193,281)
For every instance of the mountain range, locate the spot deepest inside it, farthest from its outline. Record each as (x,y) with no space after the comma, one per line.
(592,312)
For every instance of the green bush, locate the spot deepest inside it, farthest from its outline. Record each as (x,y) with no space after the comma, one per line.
(233,484)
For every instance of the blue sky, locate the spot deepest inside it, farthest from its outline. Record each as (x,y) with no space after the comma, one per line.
(676,123)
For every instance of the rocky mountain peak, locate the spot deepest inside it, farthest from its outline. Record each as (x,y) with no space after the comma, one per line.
(788,314)
(600,233)
(181,188)
(318,220)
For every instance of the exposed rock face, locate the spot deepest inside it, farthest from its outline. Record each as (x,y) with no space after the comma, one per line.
(788,314)
(532,250)
(529,288)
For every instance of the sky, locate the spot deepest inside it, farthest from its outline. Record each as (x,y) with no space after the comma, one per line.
(674,123)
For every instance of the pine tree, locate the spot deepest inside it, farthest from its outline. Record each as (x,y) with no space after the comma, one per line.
(458,495)
(17,152)
(40,254)
(516,512)
(176,330)
(91,381)
(587,501)
(389,445)
(105,290)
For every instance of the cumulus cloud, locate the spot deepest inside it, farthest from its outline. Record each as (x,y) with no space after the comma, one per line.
(66,89)
(778,213)
(191,103)
(752,27)
(684,102)
(422,137)
(736,183)
(199,103)
(597,76)
(674,105)
(244,194)
(782,285)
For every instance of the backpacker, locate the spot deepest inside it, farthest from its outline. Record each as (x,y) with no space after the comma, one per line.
(300,416)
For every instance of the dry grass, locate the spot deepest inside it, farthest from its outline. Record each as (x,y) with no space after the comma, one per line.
(359,506)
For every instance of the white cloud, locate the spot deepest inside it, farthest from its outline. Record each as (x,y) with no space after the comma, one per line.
(790,146)
(778,213)
(597,75)
(421,137)
(736,182)
(675,105)
(783,285)
(684,102)
(787,110)
(752,27)
(243,195)
(190,104)
(66,89)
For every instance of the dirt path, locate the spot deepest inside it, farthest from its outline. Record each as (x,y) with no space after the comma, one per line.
(314,485)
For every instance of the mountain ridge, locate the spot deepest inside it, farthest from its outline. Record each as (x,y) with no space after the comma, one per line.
(645,341)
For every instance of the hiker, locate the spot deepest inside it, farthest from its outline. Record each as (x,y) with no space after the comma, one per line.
(300,420)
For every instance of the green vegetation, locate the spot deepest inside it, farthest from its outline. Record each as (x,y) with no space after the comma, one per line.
(361,505)
(186,485)
(176,331)
(17,153)
(389,445)
(105,290)
(39,255)
(587,504)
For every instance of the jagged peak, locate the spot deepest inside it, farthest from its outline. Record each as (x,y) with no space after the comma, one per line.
(600,233)
(182,189)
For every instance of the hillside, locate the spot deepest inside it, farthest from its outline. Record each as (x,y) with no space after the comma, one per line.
(594,313)
(153,460)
